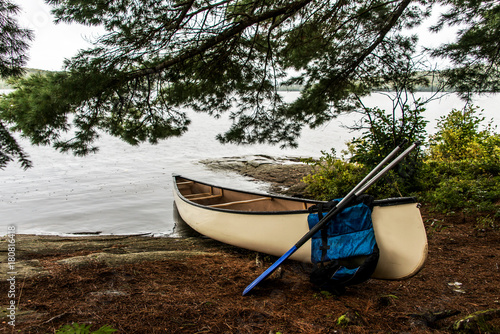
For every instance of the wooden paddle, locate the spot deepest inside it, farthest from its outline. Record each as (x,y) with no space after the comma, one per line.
(369,180)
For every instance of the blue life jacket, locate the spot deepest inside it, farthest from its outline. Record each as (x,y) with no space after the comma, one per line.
(345,247)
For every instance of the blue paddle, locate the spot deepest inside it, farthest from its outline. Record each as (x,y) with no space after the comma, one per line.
(358,190)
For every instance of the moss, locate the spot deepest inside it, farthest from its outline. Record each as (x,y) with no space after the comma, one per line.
(343,320)
(349,318)
(477,322)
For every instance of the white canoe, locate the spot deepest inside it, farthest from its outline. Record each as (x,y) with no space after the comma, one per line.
(273,224)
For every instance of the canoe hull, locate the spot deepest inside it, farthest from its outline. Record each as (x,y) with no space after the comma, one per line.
(399,231)
(270,234)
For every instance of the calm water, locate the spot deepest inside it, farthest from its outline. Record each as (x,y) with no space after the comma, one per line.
(128,190)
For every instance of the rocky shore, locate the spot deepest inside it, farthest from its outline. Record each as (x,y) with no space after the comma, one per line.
(284,174)
(142,284)
(33,251)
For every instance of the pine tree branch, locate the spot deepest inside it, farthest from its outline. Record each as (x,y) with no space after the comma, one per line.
(383,32)
(221,37)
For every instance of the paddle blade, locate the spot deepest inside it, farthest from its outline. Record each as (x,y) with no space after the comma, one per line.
(270,270)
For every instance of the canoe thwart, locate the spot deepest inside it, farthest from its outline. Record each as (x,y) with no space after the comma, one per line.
(240,202)
(199,197)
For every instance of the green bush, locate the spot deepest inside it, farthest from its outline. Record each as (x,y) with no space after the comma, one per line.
(384,131)
(459,138)
(334,177)
(464,193)
(461,171)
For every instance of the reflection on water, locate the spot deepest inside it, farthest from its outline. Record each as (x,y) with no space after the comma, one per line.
(181,228)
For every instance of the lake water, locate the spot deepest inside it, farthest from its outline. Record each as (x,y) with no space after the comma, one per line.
(128,190)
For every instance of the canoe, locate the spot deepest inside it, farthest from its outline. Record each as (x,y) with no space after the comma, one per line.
(273,224)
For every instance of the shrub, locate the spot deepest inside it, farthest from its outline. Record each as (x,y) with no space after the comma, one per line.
(334,177)
(459,137)
(384,131)
(461,171)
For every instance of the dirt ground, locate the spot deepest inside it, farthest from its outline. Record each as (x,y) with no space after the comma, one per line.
(194,285)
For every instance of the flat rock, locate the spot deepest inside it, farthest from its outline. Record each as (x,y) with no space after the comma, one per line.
(35,253)
(283,173)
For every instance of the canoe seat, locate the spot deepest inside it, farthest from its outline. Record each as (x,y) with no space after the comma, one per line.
(240,202)
(181,183)
(185,184)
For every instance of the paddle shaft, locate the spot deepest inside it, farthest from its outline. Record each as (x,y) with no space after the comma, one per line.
(358,190)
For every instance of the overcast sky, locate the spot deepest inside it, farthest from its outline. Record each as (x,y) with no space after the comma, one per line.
(55,42)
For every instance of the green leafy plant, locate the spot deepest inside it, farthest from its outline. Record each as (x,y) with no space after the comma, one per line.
(334,177)
(460,171)
(383,131)
(459,137)
(435,226)
(462,167)
(485,223)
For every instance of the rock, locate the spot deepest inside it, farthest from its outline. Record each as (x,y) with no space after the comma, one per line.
(35,254)
(112,260)
(22,269)
(283,174)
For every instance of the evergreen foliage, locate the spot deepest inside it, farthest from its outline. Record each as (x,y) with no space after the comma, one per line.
(13,45)
(159,57)
(13,41)
(475,54)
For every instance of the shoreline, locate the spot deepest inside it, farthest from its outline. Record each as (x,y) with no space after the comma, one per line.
(111,250)
(190,284)
(183,242)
